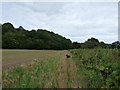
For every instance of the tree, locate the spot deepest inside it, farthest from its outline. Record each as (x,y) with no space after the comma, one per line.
(19,38)
(76,45)
(116,44)
(7,27)
(91,43)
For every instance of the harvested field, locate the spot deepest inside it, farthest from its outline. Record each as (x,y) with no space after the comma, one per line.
(39,69)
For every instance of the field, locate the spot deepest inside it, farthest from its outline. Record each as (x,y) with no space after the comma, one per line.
(88,68)
(12,58)
(38,69)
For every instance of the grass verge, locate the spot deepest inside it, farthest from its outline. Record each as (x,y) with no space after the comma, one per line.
(98,68)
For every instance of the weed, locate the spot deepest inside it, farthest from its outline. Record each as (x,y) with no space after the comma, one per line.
(98,67)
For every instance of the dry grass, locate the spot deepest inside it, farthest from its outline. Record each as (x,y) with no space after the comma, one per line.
(46,69)
(12,58)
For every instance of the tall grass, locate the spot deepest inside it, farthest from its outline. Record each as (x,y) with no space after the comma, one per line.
(39,74)
(99,68)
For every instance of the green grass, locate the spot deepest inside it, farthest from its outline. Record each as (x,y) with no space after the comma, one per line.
(99,68)
(36,75)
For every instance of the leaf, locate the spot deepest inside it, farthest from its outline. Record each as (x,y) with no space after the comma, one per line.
(89,66)
(102,68)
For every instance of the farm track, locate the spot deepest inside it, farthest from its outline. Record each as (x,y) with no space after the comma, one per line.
(67,73)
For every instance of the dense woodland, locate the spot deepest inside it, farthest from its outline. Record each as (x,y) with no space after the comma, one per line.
(19,38)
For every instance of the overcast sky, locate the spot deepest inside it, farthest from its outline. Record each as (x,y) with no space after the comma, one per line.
(76,21)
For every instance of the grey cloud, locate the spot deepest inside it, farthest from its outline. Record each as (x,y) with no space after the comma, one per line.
(77,21)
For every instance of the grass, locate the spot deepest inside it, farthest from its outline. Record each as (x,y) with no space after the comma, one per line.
(12,58)
(10,55)
(38,74)
(98,68)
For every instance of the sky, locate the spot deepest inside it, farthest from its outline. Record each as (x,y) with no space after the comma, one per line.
(77,21)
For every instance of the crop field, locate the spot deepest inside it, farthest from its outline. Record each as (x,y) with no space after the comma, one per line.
(87,68)
(38,69)
(12,58)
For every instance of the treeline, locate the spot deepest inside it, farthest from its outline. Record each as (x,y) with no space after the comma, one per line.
(19,38)
(94,43)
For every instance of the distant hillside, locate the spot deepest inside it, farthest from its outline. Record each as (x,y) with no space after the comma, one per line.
(19,38)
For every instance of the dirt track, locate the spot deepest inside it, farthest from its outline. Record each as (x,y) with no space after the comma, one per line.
(67,72)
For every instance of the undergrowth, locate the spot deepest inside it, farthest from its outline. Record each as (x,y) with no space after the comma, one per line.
(99,68)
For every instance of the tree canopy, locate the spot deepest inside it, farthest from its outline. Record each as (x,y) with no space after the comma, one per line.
(94,43)
(19,38)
